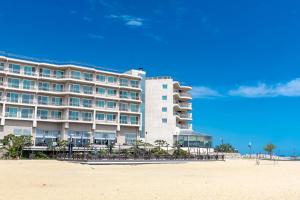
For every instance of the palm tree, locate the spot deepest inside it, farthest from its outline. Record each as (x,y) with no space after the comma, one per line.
(62,145)
(160,143)
(14,145)
(269,148)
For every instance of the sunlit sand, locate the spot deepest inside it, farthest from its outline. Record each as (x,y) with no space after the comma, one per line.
(233,179)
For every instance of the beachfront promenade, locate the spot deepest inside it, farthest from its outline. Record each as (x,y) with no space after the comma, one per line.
(229,180)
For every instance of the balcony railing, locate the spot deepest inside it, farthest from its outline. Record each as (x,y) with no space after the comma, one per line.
(184,126)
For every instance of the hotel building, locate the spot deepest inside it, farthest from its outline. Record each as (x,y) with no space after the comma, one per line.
(168,109)
(52,102)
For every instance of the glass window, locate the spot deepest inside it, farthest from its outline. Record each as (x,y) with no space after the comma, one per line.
(86,116)
(111,79)
(111,104)
(28,84)
(111,117)
(130,139)
(29,70)
(88,76)
(13,82)
(100,116)
(134,83)
(165,86)
(44,86)
(123,119)
(124,82)
(111,92)
(27,98)
(100,103)
(87,89)
(14,68)
(57,101)
(75,74)
(21,131)
(58,87)
(73,115)
(1,66)
(59,74)
(123,94)
(75,88)
(104,138)
(164,109)
(134,95)
(164,120)
(44,100)
(134,107)
(42,114)
(26,112)
(45,72)
(11,111)
(74,101)
(164,97)
(87,103)
(123,106)
(100,91)
(12,97)
(133,120)
(100,78)
(55,114)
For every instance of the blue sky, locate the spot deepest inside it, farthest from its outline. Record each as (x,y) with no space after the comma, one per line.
(241,57)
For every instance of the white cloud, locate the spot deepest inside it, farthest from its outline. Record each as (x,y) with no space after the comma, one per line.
(129,20)
(204,92)
(95,36)
(289,89)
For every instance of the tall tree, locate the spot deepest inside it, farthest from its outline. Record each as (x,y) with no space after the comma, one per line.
(270,148)
(14,145)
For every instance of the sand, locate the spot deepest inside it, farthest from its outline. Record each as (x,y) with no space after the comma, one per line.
(233,179)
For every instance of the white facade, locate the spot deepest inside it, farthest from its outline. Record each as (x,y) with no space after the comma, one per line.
(52,102)
(168,109)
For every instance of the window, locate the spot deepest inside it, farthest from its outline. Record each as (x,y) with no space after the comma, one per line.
(100,91)
(44,86)
(75,88)
(111,104)
(1,66)
(134,95)
(13,82)
(21,131)
(100,116)
(111,117)
(123,119)
(104,138)
(111,79)
(58,87)
(134,107)
(73,115)
(29,70)
(14,68)
(123,94)
(124,82)
(87,103)
(11,111)
(55,114)
(100,103)
(75,74)
(42,114)
(74,101)
(12,97)
(28,84)
(100,78)
(111,92)
(165,86)
(87,89)
(59,74)
(45,72)
(26,113)
(57,101)
(164,109)
(164,120)
(86,116)
(88,76)
(123,106)
(27,98)
(134,83)
(133,120)
(44,100)
(130,138)
(164,97)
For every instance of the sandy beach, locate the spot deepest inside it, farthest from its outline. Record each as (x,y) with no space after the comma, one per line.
(232,179)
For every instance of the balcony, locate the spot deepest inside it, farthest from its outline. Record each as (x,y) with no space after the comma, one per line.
(19,115)
(181,94)
(184,116)
(184,126)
